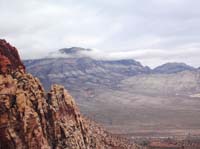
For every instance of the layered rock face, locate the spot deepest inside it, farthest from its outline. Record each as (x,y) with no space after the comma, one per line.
(33,119)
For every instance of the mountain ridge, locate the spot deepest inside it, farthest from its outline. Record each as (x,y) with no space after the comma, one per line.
(173,67)
(79,52)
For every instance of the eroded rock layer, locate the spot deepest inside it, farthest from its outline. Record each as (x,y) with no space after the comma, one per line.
(33,119)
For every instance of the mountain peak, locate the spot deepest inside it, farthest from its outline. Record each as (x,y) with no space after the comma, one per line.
(73,50)
(173,67)
(9,58)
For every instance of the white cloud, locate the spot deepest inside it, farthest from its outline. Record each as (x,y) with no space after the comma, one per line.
(153,31)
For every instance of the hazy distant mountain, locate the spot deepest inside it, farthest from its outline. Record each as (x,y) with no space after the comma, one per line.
(172,68)
(86,77)
(181,83)
(83,74)
(124,95)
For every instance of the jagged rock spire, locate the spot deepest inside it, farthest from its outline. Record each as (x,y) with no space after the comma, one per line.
(9,58)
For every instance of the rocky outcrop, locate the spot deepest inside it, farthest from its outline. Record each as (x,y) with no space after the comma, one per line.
(33,119)
(9,58)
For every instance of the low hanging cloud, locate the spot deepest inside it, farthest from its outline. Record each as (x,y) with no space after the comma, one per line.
(151,31)
(149,57)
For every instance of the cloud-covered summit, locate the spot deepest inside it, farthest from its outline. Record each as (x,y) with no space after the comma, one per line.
(152,31)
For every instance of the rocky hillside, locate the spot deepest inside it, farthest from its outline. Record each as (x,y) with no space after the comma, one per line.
(76,71)
(182,83)
(31,118)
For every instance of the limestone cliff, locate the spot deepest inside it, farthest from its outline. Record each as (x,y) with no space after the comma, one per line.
(33,119)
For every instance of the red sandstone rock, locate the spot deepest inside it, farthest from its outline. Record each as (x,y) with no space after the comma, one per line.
(9,58)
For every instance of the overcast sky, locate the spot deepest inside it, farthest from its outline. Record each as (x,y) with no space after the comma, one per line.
(151,31)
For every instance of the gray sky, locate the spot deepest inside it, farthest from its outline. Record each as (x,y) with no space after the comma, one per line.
(151,31)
